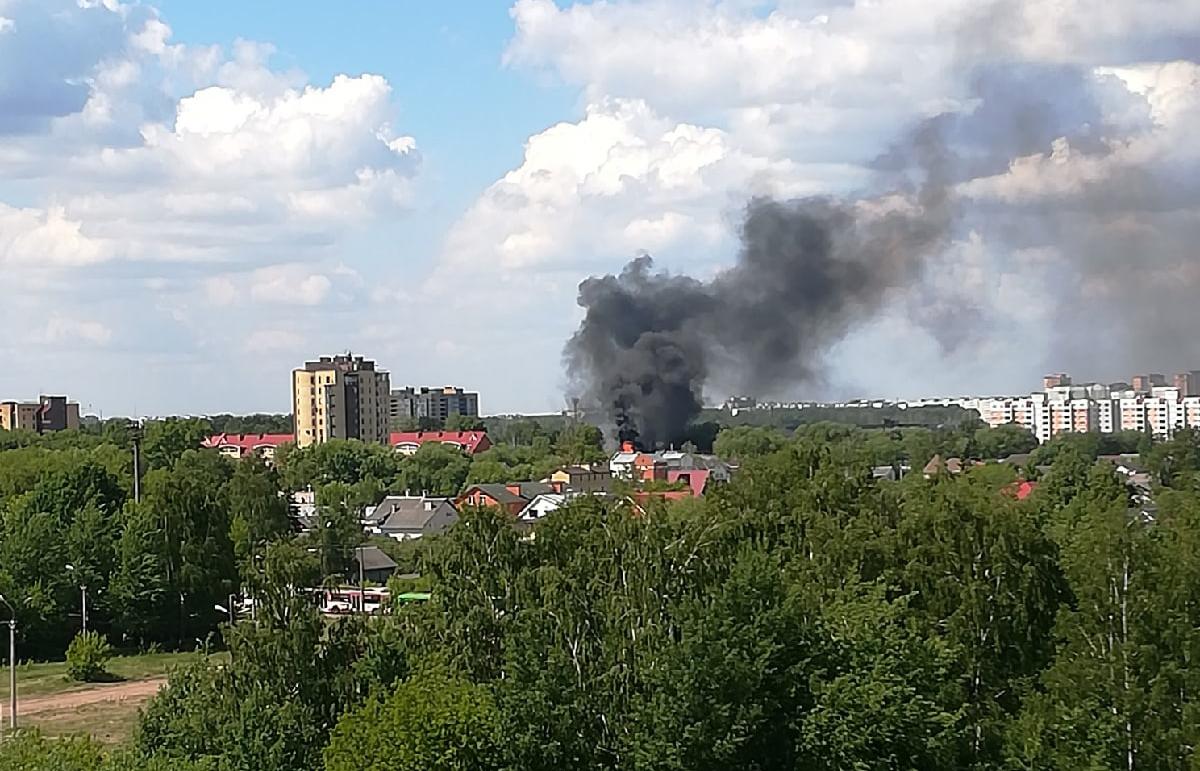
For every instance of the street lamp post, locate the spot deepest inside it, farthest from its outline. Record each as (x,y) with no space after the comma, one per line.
(362,597)
(135,433)
(12,664)
(83,600)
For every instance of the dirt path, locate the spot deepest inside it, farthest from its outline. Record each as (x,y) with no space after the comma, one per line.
(137,690)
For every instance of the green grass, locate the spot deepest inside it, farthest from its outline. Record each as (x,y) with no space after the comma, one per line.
(108,722)
(45,679)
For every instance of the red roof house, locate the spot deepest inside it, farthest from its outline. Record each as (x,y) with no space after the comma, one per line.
(470,442)
(696,479)
(1021,490)
(241,445)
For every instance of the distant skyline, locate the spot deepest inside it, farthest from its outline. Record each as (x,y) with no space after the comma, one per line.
(195,198)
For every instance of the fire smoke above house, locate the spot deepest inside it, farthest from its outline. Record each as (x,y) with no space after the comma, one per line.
(1049,174)
(807,271)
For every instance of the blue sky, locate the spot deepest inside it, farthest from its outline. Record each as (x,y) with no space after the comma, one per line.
(196,197)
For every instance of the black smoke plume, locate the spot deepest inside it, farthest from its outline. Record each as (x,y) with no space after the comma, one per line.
(807,271)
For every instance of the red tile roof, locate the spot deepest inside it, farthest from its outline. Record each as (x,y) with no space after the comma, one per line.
(1021,490)
(697,479)
(246,442)
(471,442)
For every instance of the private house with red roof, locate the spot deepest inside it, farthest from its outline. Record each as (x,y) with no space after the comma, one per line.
(1021,490)
(512,497)
(243,445)
(695,479)
(470,442)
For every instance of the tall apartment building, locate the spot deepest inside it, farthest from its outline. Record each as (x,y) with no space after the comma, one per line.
(340,397)
(1161,411)
(1056,380)
(1188,383)
(48,413)
(438,403)
(1144,384)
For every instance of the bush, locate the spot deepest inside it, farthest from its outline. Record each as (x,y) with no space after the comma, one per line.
(87,658)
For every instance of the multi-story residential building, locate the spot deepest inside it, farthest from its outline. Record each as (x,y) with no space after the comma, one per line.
(1189,406)
(1056,380)
(1161,411)
(1145,383)
(48,413)
(406,404)
(1131,411)
(1188,383)
(340,397)
(1106,416)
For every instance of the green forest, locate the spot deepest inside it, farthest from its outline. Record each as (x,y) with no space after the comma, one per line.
(804,616)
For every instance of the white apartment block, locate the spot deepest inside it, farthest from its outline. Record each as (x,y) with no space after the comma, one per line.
(1090,408)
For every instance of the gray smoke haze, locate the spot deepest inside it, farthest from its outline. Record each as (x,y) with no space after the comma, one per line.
(807,272)
(1119,260)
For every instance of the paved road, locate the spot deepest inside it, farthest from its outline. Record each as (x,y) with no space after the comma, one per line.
(138,690)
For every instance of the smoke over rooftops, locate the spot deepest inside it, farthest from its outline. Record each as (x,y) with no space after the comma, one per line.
(807,271)
(1078,182)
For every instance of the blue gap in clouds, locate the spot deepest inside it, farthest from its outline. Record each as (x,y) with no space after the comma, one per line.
(469,114)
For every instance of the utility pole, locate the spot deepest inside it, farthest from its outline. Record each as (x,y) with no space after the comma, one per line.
(136,434)
(12,673)
(12,664)
(83,597)
(362,597)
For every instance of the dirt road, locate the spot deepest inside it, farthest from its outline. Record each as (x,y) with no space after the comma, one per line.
(137,690)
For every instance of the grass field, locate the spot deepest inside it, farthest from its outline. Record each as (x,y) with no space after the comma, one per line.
(109,720)
(45,679)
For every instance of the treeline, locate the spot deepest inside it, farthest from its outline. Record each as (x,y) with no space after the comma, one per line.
(155,569)
(805,616)
(916,446)
(789,418)
(258,423)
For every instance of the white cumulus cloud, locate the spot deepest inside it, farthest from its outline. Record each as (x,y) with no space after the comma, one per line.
(621,180)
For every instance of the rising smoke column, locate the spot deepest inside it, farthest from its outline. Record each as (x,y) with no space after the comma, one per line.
(1081,183)
(808,270)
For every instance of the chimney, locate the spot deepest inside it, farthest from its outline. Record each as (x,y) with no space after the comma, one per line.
(513,487)
(627,447)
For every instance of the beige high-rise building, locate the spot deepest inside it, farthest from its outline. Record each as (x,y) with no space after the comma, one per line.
(340,397)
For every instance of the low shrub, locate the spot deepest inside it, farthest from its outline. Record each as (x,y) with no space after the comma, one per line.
(87,658)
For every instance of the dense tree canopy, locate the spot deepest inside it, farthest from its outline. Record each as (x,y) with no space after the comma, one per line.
(805,616)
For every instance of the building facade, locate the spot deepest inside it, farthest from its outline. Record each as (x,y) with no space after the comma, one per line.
(470,442)
(1056,380)
(1188,383)
(1144,384)
(340,397)
(407,404)
(48,413)
(1160,412)
(237,446)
